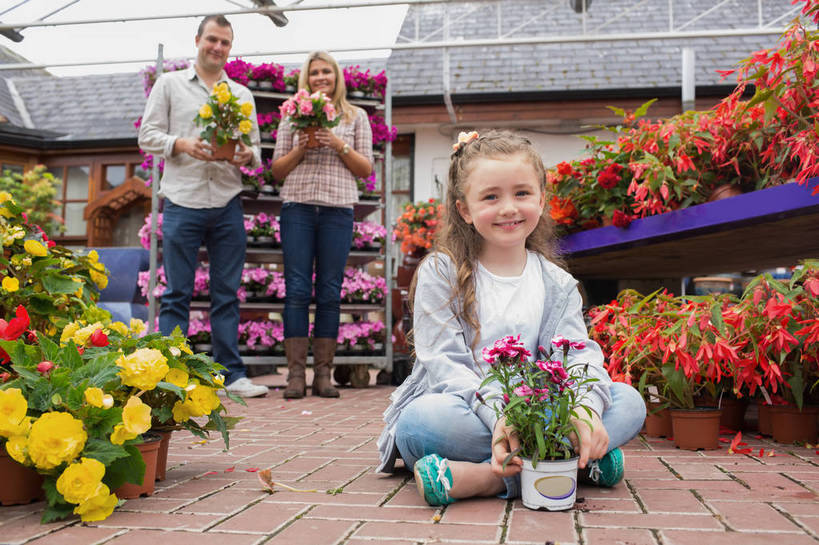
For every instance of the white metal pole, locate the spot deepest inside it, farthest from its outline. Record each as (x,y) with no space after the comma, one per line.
(689,81)
(152,267)
(388,268)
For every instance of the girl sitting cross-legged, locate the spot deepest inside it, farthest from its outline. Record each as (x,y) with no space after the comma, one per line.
(494,272)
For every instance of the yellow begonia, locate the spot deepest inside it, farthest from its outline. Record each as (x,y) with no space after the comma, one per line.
(180,413)
(177,377)
(247,108)
(137,326)
(120,328)
(94,397)
(81,480)
(17,447)
(183,346)
(13,407)
(205,112)
(245,126)
(12,234)
(202,400)
(5,196)
(221,87)
(81,335)
(98,507)
(99,278)
(68,332)
(223,96)
(35,248)
(11,284)
(55,438)
(120,435)
(143,369)
(136,416)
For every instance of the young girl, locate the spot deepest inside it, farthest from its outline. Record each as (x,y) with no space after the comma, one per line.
(494,273)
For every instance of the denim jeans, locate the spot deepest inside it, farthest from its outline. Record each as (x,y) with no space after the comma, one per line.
(446,425)
(222,232)
(320,235)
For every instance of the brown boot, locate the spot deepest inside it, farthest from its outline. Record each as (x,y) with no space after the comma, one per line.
(324,349)
(296,350)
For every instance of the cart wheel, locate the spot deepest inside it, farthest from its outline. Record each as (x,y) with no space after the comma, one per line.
(361,376)
(341,373)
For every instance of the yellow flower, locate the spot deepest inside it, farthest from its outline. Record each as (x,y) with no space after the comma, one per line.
(17,447)
(107,401)
(35,248)
(247,108)
(55,438)
(11,284)
(223,96)
(220,87)
(245,126)
(143,368)
(205,112)
(136,416)
(68,332)
(99,278)
(94,397)
(120,328)
(219,379)
(137,326)
(13,407)
(81,336)
(81,480)
(98,507)
(177,377)
(183,346)
(180,412)
(5,196)
(93,256)
(120,435)
(202,400)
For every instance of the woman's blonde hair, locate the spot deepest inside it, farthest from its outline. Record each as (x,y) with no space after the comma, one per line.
(461,241)
(339,97)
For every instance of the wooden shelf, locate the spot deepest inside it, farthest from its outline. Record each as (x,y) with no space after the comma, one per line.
(772,227)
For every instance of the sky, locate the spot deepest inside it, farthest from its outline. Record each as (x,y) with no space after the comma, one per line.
(254,33)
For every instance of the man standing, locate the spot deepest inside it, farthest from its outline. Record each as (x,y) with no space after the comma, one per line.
(202,204)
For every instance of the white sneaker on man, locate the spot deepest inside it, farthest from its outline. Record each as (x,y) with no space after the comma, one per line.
(244,387)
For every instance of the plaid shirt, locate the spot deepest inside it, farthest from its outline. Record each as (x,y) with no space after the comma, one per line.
(322,177)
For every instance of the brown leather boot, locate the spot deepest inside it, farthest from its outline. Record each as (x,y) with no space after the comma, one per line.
(296,350)
(324,349)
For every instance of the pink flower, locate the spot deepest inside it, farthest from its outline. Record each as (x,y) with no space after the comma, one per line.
(329,111)
(287,108)
(44,367)
(305,107)
(524,390)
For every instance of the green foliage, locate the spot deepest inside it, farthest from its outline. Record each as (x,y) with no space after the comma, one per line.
(35,192)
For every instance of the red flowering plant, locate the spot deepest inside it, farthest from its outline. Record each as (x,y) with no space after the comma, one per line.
(416,227)
(541,399)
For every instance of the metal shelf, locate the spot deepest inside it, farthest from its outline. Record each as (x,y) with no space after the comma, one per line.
(278,306)
(255,202)
(358,101)
(376,361)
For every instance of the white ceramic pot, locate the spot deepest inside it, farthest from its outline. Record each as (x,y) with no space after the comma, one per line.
(551,485)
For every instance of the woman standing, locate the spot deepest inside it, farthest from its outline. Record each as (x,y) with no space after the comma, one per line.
(317,221)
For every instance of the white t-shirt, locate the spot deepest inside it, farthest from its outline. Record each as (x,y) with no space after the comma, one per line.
(510,305)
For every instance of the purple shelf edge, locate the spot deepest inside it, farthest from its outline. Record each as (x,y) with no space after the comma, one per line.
(780,201)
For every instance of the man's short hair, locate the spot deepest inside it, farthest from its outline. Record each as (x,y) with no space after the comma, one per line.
(220,20)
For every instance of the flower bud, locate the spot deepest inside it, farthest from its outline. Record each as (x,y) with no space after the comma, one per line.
(4,377)
(175,351)
(44,367)
(80,350)
(107,401)
(99,338)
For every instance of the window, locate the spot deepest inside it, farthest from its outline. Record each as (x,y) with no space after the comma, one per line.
(402,173)
(113,176)
(72,197)
(11,168)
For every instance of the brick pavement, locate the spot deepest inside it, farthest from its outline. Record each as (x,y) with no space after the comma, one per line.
(669,497)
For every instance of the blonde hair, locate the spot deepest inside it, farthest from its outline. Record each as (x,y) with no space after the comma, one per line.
(339,97)
(461,241)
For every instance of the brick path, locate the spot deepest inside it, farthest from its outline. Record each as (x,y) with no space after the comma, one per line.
(670,497)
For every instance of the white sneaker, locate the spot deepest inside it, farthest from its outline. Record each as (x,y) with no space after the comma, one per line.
(244,387)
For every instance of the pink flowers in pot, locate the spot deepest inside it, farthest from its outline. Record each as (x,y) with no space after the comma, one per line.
(367,235)
(309,110)
(360,287)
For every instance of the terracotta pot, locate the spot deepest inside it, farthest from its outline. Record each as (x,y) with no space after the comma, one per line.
(312,142)
(733,413)
(19,484)
(149,451)
(162,454)
(224,152)
(696,429)
(764,418)
(723,192)
(658,424)
(789,424)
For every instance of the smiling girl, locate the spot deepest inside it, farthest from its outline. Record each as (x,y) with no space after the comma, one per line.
(495,272)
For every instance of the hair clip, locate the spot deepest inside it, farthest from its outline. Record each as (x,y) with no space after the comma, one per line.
(464,138)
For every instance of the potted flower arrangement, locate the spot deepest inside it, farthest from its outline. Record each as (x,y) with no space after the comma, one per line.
(368,188)
(145,231)
(382,132)
(268,125)
(267,75)
(291,80)
(541,400)
(225,121)
(168,65)
(309,112)
(252,179)
(271,184)
(361,84)
(199,335)
(358,286)
(239,71)
(161,282)
(275,286)
(264,229)
(201,283)
(368,235)
(415,230)
(254,280)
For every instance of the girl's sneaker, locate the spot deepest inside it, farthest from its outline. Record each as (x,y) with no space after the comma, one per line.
(607,471)
(434,479)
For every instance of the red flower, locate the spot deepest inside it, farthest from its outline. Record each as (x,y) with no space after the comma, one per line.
(99,338)
(621,219)
(609,177)
(12,329)
(44,367)
(564,168)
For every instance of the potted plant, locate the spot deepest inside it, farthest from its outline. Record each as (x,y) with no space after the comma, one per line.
(268,125)
(275,286)
(225,121)
(368,188)
(199,335)
(368,235)
(252,180)
(540,400)
(271,184)
(239,71)
(254,280)
(309,112)
(291,81)
(382,132)
(358,286)
(201,283)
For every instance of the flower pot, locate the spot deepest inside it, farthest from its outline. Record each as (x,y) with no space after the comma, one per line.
(20,484)
(733,413)
(243,349)
(552,485)
(265,239)
(658,423)
(267,189)
(225,152)
(763,421)
(252,84)
(203,347)
(149,451)
(266,84)
(723,192)
(357,94)
(312,142)
(162,454)
(696,429)
(789,424)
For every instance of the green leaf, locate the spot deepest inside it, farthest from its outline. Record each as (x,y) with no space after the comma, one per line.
(509,457)
(716,318)
(130,468)
(641,111)
(55,282)
(180,392)
(50,349)
(104,451)
(56,512)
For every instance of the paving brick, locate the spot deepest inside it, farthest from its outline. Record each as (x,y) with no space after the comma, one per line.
(354,512)
(476,511)
(153,504)
(262,518)
(796,509)
(612,505)
(699,470)
(197,488)
(605,536)
(656,521)
(27,527)
(224,502)
(313,532)
(75,535)
(811,523)
(321,498)
(671,501)
(158,521)
(746,517)
(408,496)
(526,525)
(373,482)
(428,532)
(695,537)
(141,537)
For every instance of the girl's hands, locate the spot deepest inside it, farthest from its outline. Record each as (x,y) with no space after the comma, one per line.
(504,442)
(594,440)
(326,138)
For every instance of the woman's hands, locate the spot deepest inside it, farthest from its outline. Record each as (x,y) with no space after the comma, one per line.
(326,138)
(594,440)
(504,442)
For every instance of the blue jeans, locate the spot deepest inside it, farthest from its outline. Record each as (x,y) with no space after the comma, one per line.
(321,235)
(222,232)
(446,425)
